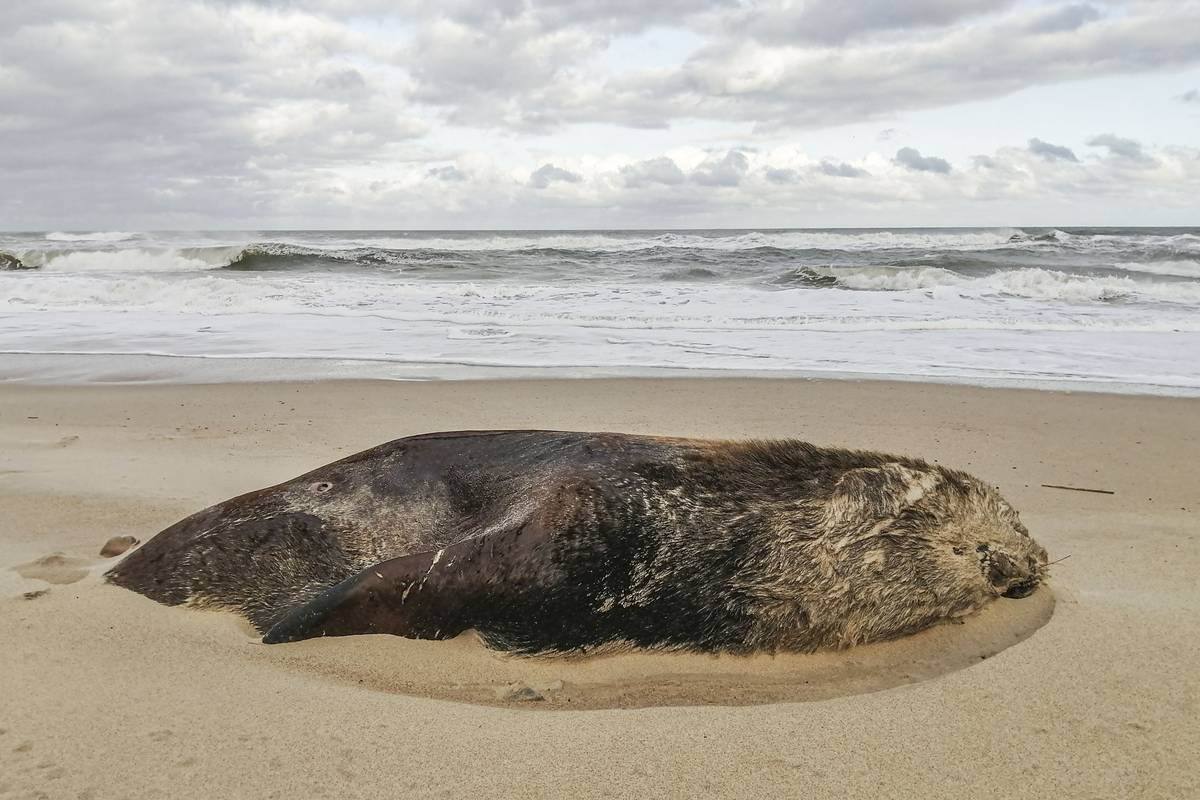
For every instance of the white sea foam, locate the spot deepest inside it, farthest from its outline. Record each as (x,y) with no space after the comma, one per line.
(493,310)
(478,333)
(98,236)
(1041,284)
(1037,284)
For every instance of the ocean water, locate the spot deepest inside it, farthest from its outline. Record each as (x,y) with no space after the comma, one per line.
(1093,308)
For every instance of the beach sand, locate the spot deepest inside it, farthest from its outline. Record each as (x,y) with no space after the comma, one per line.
(1089,688)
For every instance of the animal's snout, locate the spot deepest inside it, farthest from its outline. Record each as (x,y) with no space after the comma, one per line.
(1022,589)
(1010,577)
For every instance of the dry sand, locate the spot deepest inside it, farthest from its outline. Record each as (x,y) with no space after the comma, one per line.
(1088,689)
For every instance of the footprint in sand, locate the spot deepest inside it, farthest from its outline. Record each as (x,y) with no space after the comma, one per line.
(526,692)
(56,568)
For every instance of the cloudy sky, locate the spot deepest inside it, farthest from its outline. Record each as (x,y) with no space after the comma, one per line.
(144,114)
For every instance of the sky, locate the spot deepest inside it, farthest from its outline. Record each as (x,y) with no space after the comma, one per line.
(407,114)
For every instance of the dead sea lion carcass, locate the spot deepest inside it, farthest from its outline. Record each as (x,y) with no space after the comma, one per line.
(552,542)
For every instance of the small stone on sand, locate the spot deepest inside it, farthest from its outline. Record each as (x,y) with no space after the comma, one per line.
(118,545)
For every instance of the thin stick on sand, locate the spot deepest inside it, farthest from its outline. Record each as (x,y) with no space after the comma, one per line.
(1076,489)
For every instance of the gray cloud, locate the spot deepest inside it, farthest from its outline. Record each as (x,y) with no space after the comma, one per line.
(1068,18)
(490,76)
(520,65)
(607,16)
(662,170)
(912,159)
(447,173)
(843,170)
(726,171)
(343,80)
(547,174)
(1120,147)
(1190,96)
(1051,152)
(833,21)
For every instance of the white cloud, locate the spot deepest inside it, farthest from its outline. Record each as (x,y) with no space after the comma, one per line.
(768,186)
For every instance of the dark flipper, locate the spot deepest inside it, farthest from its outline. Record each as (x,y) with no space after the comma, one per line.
(432,595)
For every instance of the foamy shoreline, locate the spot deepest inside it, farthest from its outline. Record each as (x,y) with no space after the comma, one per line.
(109,695)
(120,369)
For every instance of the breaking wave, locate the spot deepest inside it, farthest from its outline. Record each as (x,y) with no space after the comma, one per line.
(167,259)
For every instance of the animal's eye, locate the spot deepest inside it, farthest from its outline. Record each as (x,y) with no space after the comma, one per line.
(322,486)
(983,548)
(958,551)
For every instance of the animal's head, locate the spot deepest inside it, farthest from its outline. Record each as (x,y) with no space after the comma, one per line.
(986,538)
(942,529)
(978,536)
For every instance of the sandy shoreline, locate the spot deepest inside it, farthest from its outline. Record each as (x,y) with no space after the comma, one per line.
(1089,690)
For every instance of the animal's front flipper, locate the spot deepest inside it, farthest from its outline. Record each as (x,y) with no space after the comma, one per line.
(433,595)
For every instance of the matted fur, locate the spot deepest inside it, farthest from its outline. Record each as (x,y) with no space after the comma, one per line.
(557,542)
